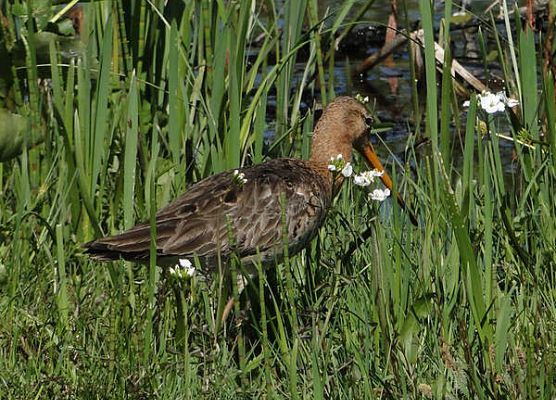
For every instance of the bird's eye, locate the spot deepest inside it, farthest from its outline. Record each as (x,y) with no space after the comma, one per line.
(369,121)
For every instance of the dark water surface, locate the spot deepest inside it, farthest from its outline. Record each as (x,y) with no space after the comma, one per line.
(388,85)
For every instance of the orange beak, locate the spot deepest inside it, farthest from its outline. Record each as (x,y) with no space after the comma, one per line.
(372,159)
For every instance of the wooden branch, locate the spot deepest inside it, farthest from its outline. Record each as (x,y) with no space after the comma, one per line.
(418,36)
(381,54)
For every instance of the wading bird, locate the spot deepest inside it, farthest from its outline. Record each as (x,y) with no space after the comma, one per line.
(243,212)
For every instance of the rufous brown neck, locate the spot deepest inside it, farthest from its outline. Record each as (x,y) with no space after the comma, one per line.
(330,138)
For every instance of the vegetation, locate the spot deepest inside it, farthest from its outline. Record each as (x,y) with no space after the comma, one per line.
(98,132)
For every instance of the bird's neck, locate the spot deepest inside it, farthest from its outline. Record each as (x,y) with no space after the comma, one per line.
(326,147)
(323,151)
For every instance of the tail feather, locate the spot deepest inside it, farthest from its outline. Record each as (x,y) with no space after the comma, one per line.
(133,244)
(107,249)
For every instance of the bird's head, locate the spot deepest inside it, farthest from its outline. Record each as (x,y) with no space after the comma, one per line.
(345,125)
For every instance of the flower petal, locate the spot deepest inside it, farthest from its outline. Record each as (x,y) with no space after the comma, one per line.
(511,103)
(379,195)
(363,179)
(347,170)
(185,263)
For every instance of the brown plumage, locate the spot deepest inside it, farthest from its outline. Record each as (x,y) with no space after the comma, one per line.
(201,222)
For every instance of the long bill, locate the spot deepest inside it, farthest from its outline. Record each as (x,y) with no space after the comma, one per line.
(373,161)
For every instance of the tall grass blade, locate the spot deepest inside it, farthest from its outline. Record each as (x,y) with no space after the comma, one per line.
(130,156)
(528,78)
(425,7)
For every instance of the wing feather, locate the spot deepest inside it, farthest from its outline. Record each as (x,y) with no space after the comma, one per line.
(201,221)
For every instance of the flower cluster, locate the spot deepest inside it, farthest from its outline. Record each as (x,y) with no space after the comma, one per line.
(362,99)
(492,103)
(239,178)
(338,164)
(183,270)
(379,194)
(365,178)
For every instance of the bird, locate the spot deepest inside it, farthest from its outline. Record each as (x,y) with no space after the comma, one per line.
(243,211)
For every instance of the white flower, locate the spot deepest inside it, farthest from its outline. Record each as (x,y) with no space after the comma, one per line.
(337,164)
(239,177)
(361,180)
(347,170)
(367,177)
(187,266)
(362,99)
(379,195)
(494,102)
(184,269)
(510,103)
(491,103)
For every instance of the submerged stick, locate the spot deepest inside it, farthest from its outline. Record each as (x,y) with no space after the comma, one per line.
(417,36)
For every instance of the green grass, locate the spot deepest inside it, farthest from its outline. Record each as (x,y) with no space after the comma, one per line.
(161,94)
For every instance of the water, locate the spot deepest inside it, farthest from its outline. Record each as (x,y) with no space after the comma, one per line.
(388,85)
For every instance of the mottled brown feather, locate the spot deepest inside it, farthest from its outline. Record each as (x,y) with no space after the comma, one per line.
(201,222)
